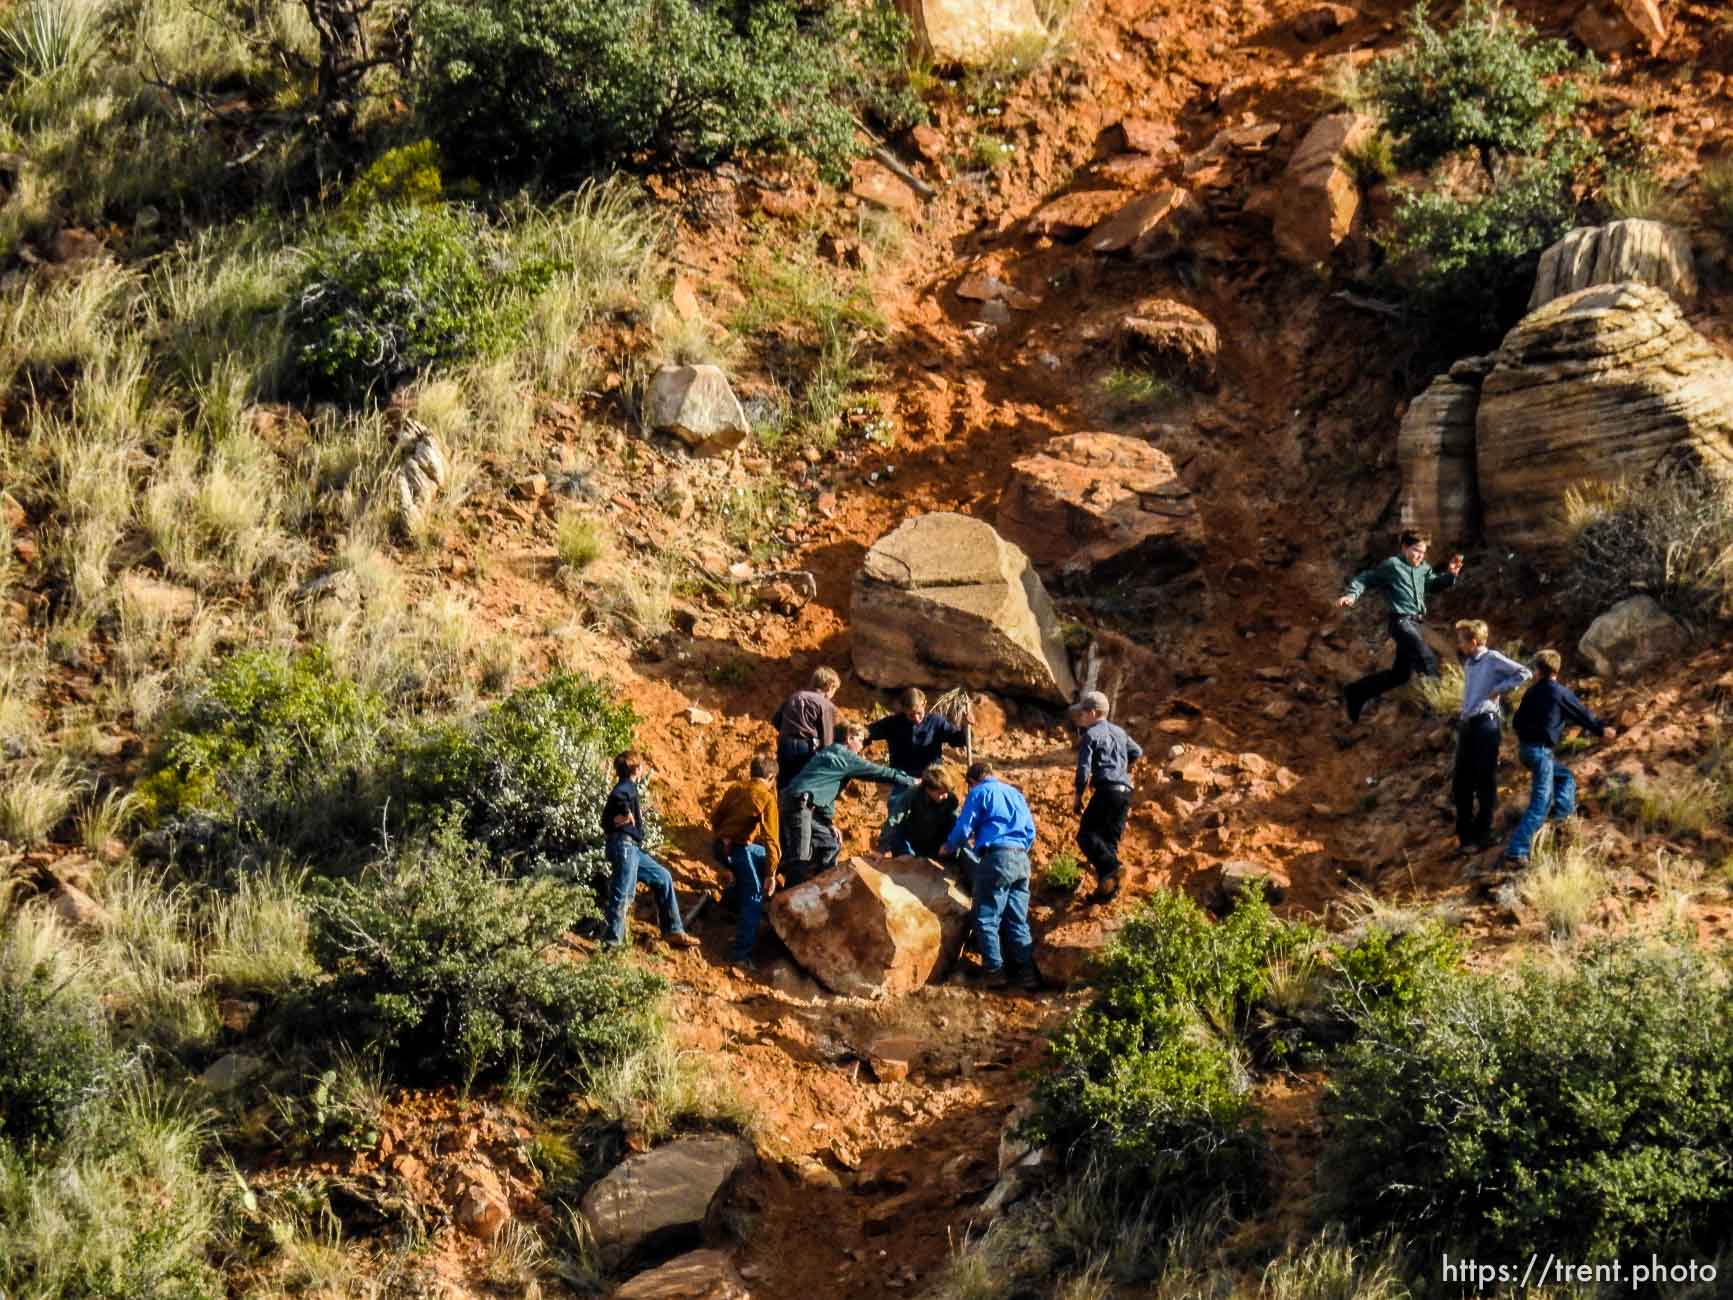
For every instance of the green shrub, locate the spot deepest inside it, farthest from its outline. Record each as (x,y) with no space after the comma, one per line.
(439,964)
(408,174)
(409,287)
(531,774)
(1063,875)
(280,745)
(1585,1111)
(54,1057)
(1468,264)
(1141,1084)
(1488,83)
(1396,969)
(513,87)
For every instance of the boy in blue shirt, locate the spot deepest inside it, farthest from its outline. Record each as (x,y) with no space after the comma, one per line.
(995,816)
(1546,710)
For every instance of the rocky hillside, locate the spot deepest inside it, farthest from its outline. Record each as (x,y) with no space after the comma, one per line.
(1101,367)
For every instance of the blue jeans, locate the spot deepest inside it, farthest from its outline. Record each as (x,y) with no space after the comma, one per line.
(1552,793)
(1002,902)
(630,866)
(747,863)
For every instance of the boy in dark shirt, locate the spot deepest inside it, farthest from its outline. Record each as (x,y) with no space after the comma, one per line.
(921,817)
(917,739)
(805,723)
(1545,711)
(623,841)
(1104,758)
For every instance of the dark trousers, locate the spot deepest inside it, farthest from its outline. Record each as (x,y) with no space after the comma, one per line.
(809,840)
(1413,655)
(791,756)
(1475,784)
(1102,825)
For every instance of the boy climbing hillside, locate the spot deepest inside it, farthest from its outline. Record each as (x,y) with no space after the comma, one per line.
(1404,580)
(1104,758)
(809,840)
(1546,710)
(1486,675)
(805,723)
(916,738)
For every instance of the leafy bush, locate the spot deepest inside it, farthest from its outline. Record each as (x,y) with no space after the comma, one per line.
(54,1057)
(1586,1111)
(1063,875)
(412,285)
(1394,969)
(407,174)
(1668,536)
(530,775)
(1468,264)
(514,87)
(279,744)
(1141,1085)
(1488,83)
(439,963)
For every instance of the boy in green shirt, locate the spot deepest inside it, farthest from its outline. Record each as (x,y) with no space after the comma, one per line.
(1404,580)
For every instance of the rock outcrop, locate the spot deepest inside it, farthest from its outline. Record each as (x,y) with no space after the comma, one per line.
(1174,336)
(1317,198)
(1435,449)
(421,471)
(971,31)
(1606,384)
(1102,503)
(1147,223)
(943,600)
(1621,26)
(1631,636)
(1072,216)
(868,929)
(1649,251)
(696,405)
(700,1275)
(660,1200)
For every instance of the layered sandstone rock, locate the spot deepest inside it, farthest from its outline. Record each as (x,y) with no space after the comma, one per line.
(1633,635)
(1318,197)
(1102,503)
(868,929)
(662,1198)
(1435,449)
(1606,384)
(1147,223)
(696,404)
(1649,251)
(1175,337)
(943,600)
(971,31)
(700,1275)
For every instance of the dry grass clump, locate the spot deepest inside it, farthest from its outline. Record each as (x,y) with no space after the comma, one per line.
(1565,881)
(1440,696)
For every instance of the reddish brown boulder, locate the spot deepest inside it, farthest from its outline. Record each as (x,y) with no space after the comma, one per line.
(1103,503)
(971,31)
(1321,22)
(1318,197)
(1237,876)
(1146,223)
(700,1275)
(1072,216)
(1174,336)
(1139,135)
(482,1210)
(859,931)
(1618,26)
(875,184)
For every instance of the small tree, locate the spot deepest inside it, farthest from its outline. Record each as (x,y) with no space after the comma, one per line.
(1488,83)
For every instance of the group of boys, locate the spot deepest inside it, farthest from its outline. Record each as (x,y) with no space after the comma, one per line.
(778,824)
(1405,580)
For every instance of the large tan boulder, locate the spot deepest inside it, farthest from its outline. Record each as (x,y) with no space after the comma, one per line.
(696,405)
(700,1275)
(943,600)
(862,933)
(1178,338)
(972,31)
(661,1199)
(1435,450)
(1606,384)
(1650,251)
(1318,197)
(1633,635)
(1102,503)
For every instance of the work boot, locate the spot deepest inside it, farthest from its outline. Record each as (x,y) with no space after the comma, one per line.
(996,979)
(680,939)
(1106,888)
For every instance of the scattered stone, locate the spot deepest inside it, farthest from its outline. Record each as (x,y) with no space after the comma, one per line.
(1236,876)
(421,471)
(1068,949)
(155,600)
(994,313)
(700,1275)
(1318,196)
(1102,503)
(75,245)
(1606,384)
(1140,135)
(662,1198)
(861,933)
(1072,216)
(1650,251)
(1175,337)
(1321,22)
(989,288)
(874,183)
(78,908)
(1134,171)
(699,717)
(696,404)
(482,1210)
(893,1056)
(27,551)
(1146,224)
(943,600)
(531,487)
(236,1014)
(1617,26)
(929,142)
(971,31)
(1435,449)
(1631,636)
(230,1072)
